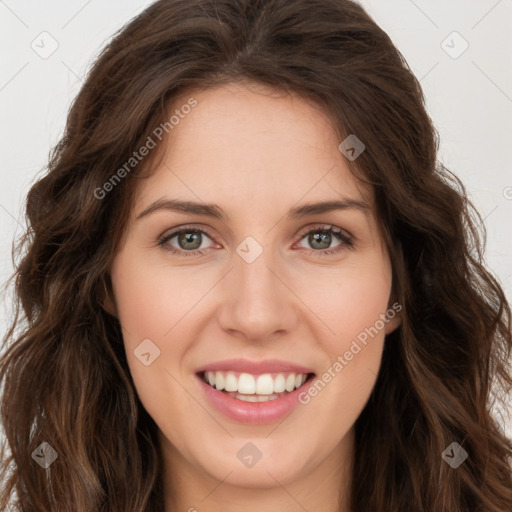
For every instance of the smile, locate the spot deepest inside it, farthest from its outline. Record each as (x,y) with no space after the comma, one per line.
(255,388)
(253,392)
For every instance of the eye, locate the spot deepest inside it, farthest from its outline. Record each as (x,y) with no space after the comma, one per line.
(320,239)
(191,241)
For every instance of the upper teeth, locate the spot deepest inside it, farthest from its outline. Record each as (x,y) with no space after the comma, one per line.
(247,384)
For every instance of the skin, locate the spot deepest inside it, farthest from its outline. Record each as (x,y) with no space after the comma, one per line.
(256,153)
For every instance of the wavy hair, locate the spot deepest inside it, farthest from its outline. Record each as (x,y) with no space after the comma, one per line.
(64,371)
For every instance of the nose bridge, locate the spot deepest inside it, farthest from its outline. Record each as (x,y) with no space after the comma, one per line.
(255,280)
(256,302)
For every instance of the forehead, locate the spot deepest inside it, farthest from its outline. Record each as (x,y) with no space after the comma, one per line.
(252,143)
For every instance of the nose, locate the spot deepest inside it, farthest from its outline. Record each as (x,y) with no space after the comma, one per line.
(256,299)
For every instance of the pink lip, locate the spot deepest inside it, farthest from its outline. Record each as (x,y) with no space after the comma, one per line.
(255,367)
(256,413)
(253,412)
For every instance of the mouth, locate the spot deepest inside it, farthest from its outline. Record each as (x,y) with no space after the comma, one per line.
(254,392)
(249,387)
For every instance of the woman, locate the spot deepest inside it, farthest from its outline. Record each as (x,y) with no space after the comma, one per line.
(248,283)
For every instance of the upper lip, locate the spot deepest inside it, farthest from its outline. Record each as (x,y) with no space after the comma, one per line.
(255,367)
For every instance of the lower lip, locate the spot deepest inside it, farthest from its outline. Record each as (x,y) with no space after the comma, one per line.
(256,413)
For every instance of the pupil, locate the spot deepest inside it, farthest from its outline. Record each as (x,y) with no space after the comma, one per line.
(192,238)
(324,239)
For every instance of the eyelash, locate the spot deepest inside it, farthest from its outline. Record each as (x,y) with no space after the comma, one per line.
(346,240)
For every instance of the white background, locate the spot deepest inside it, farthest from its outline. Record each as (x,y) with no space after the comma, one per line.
(469,97)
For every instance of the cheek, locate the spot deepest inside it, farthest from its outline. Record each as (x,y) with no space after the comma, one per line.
(149,302)
(164,306)
(351,304)
(146,310)
(348,301)
(149,308)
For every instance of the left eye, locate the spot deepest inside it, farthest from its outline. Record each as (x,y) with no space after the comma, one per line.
(190,241)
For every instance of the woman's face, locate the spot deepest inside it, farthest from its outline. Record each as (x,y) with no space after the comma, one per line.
(271,293)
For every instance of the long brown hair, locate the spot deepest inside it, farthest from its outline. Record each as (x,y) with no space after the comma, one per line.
(64,371)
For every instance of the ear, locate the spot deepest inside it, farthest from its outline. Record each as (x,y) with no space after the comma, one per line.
(393,314)
(107,300)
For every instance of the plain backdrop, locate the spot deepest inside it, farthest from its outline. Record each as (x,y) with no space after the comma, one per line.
(460,50)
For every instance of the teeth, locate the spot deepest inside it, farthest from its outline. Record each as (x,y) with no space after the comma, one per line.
(246,384)
(219,381)
(250,398)
(258,387)
(279,383)
(231,382)
(290,382)
(255,398)
(264,385)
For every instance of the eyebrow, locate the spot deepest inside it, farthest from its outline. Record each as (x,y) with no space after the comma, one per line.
(214,211)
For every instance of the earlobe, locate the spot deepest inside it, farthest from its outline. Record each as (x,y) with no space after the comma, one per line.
(394,315)
(109,307)
(393,324)
(107,302)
